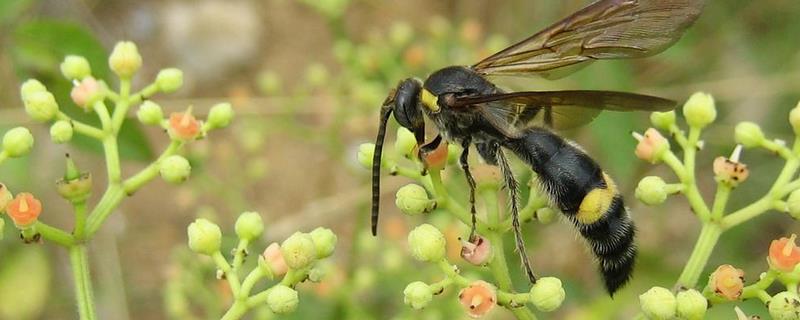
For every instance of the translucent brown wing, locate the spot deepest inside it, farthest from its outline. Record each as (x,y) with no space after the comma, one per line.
(606,29)
(511,112)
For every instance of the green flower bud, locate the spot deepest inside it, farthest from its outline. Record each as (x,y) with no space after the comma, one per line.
(785,306)
(75,67)
(400,33)
(417,295)
(29,87)
(317,74)
(5,197)
(749,134)
(282,299)
(793,204)
(658,304)
(546,215)
(663,120)
(652,190)
(699,110)
(150,113)
(405,143)
(220,115)
(204,237)
(125,59)
(412,199)
(269,82)
(794,119)
(427,243)
(169,80)
(17,142)
(299,251)
(324,241)
(547,294)
(41,106)
(366,151)
(249,226)
(691,305)
(175,169)
(61,131)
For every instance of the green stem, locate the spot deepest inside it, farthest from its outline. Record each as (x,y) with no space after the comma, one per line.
(498,265)
(238,255)
(80,219)
(237,311)
(720,200)
(110,200)
(250,281)
(83,286)
(445,202)
(112,159)
(232,277)
(122,104)
(81,127)
(147,174)
(709,235)
(54,234)
(686,176)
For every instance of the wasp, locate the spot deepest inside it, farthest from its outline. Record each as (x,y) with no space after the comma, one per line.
(468,109)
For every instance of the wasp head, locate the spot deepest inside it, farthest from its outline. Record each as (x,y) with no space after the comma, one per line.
(405,102)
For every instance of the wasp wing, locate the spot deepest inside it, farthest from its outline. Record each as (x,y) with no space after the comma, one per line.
(512,112)
(606,29)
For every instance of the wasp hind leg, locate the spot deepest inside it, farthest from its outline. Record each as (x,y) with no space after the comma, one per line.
(512,186)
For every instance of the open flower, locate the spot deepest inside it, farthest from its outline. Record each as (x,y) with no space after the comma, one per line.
(478,298)
(24,210)
(784,254)
(727,281)
(183,125)
(477,251)
(435,159)
(730,171)
(652,145)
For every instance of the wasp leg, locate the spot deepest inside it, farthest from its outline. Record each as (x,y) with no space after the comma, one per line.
(512,186)
(463,160)
(428,148)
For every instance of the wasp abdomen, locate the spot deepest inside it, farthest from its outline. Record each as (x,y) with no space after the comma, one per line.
(586,195)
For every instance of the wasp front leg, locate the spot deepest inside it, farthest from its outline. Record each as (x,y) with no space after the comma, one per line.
(464,162)
(426,149)
(513,189)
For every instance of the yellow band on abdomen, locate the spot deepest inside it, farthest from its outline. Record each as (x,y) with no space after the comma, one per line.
(595,204)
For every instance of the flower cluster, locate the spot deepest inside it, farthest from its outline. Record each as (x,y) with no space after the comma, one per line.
(91,94)
(727,283)
(291,262)
(482,249)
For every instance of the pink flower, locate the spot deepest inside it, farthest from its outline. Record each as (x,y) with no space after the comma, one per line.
(477,250)
(86,92)
(24,210)
(728,282)
(274,259)
(784,255)
(478,298)
(652,145)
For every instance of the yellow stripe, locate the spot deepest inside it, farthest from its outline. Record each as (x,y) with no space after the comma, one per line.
(429,100)
(595,204)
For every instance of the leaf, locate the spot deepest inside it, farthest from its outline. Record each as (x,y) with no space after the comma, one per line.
(38,49)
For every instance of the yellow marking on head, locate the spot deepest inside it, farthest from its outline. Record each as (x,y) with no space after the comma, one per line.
(429,100)
(596,203)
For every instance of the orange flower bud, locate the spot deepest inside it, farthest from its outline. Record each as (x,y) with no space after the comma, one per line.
(784,255)
(183,125)
(24,210)
(727,281)
(86,92)
(436,159)
(652,145)
(478,298)
(274,259)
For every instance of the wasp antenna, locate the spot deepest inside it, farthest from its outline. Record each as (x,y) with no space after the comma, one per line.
(386,111)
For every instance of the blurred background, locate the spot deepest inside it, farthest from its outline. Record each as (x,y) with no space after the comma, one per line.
(306,79)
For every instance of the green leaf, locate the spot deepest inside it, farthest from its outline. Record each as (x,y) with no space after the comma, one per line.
(38,49)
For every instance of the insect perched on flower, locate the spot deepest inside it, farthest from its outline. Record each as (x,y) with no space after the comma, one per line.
(468,109)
